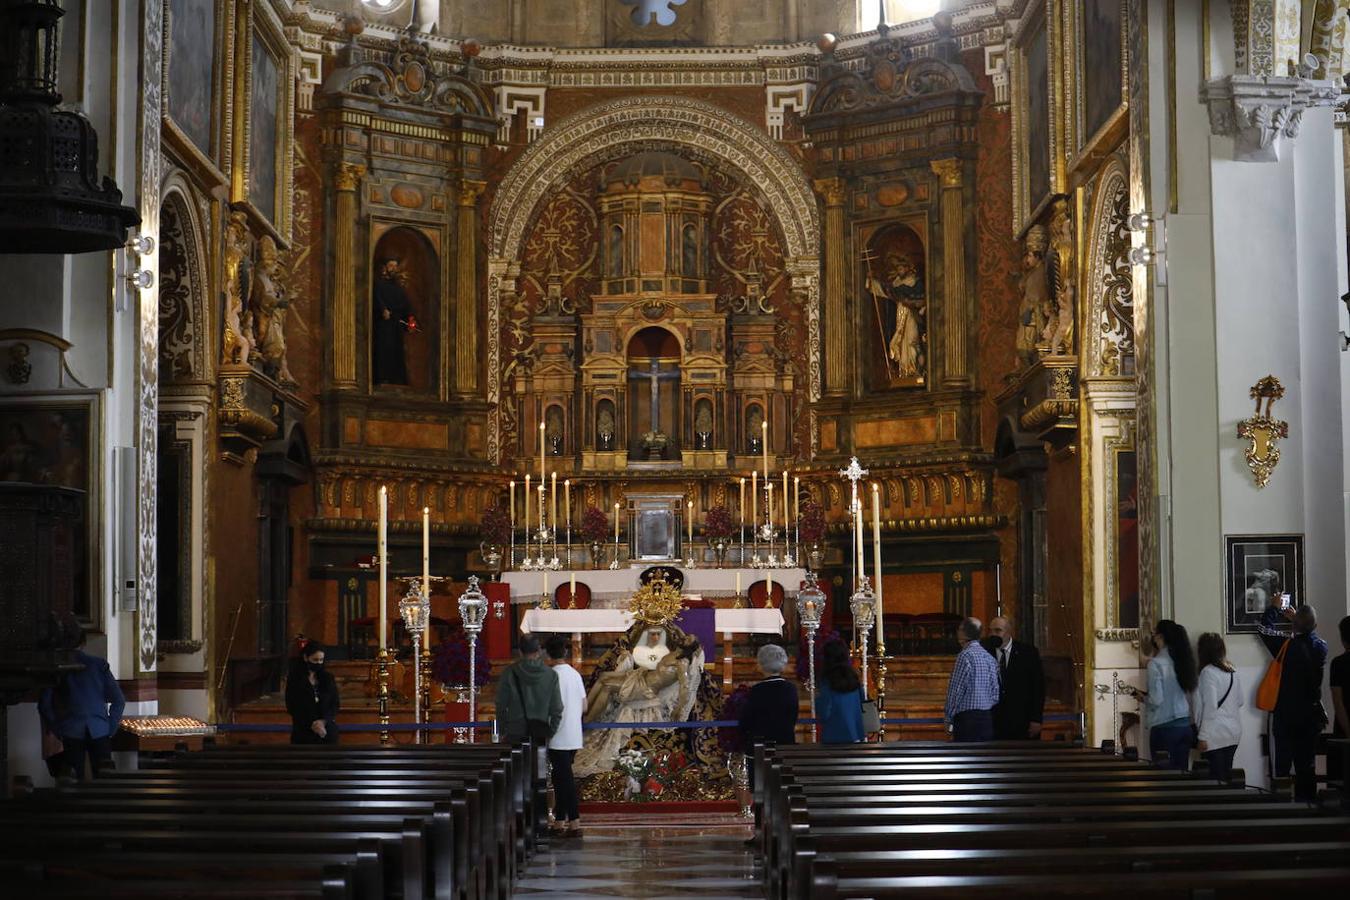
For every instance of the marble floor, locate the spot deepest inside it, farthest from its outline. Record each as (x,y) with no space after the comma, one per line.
(666,860)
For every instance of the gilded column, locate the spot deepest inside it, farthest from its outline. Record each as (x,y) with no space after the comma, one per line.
(466,289)
(956,305)
(346,178)
(832,192)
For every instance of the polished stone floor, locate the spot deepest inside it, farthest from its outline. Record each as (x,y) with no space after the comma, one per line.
(644,860)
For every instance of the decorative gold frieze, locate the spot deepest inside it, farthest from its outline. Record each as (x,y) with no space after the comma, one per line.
(1262,431)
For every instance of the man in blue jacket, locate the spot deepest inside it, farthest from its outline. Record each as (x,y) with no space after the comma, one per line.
(84,710)
(1299,715)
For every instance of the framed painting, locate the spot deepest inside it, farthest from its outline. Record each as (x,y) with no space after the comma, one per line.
(1259,570)
(1100,78)
(196,52)
(1035,121)
(262,182)
(54,442)
(894,276)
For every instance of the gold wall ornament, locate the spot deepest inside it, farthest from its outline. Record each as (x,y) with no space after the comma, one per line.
(657,602)
(1263,432)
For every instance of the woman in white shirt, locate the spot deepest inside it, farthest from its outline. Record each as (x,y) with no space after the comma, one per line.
(1218,706)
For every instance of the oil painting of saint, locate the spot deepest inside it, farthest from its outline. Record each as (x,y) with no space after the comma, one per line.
(894,281)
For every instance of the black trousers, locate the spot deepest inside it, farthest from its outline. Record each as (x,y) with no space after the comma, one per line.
(1296,744)
(564,786)
(302,733)
(78,749)
(1220,762)
(972,726)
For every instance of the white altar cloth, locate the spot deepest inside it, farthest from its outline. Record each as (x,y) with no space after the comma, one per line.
(613,621)
(615,586)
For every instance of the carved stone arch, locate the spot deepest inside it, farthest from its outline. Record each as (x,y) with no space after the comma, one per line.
(184,289)
(1108,331)
(632,124)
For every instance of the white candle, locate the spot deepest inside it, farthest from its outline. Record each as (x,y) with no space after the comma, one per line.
(567,501)
(526,503)
(754,500)
(690,507)
(858,540)
(616,523)
(764,443)
(787,513)
(768,588)
(797,499)
(768,502)
(572,591)
(426,551)
(384,564)
(542,523)
(513,506)
(553,502)
(876,551)
(740,503)
(541,457)
(738,582)
(545,590)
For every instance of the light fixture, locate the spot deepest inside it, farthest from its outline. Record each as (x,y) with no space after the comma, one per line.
(1141,256)
(141,245)
(1139,222)
(141,279)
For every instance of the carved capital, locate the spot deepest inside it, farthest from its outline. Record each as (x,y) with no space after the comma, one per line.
(831,190)
(346,176)
(948,171)
(1260,113)
(470,191)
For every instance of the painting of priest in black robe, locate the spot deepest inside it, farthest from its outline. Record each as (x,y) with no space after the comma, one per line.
(393,314)
(895,281)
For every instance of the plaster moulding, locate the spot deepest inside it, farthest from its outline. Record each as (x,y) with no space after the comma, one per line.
(1259,113)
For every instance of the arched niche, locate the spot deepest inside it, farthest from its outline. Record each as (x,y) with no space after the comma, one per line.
(606,425)
(754,431)
(653,355)
(895,317)
(417,278)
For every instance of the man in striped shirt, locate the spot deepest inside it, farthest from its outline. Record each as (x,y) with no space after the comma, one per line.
(972,692)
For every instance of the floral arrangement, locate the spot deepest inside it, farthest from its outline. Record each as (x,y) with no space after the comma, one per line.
(717,525)
(823,637)
(496,525)
(450,660)
(812,522)
(594,525)
(729,736)
(649,776)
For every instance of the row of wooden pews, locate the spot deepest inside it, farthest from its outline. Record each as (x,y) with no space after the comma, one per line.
(943,820)
(450,822)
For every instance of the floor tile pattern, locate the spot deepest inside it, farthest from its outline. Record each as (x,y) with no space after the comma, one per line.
(666,860)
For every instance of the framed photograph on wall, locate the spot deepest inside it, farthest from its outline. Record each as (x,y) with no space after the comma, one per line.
(262,176)
(1257,568)
(54,441)
(196,56)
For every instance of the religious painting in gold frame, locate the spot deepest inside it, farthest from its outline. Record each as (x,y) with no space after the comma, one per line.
(54,440)
(265,86)
(1099,80)
(198,44)
(1125,533)
(1035,69)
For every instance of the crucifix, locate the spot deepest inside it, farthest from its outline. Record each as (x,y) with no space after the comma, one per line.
(855,473)
(656,376)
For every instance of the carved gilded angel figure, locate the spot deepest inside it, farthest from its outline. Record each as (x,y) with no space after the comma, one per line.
(270,303)
(238,341)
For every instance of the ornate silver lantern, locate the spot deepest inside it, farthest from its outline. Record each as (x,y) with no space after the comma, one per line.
(810,607)
(863,603)
(472,611)
(415,608)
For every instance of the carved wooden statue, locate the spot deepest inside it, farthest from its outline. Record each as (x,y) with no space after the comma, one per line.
(238,342)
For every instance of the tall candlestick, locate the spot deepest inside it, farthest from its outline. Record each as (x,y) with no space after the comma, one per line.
(426,551)
(740,502)
(513,504)
(541,458)
(797,511)
(383,545)
(616,524)
(567,502)
(876,554)
(553,503)
(764,443)
(689,507)
(526,503)
(787,513)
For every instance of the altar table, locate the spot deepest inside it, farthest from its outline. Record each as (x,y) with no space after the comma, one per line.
(613,621)
(613,587)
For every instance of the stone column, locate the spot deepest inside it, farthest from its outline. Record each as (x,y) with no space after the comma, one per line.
(837,325)
(465,337)
(955,303)
(346,178)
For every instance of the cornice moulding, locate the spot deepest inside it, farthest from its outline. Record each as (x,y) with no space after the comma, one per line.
(1260,113)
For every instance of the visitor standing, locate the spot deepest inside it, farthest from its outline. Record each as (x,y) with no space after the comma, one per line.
(312,698)
(1218,706)
(566,741)
(529,701)
(1299,715)
(1021,695)
(1171,678)
(839,697)
(84,709)
(1340,701)
(972,692)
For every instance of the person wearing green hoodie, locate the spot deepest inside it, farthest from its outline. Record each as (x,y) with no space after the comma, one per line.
(529,701)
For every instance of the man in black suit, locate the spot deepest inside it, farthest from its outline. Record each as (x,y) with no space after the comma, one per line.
(1021,704)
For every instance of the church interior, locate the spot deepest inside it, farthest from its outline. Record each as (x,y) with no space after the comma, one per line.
(421,328)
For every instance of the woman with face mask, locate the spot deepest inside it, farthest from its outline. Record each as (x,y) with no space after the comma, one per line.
(312,698)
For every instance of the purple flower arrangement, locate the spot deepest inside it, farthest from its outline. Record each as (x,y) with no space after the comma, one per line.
(450,660)
(729,736)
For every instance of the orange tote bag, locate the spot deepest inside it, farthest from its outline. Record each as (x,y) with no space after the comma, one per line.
(1269,690)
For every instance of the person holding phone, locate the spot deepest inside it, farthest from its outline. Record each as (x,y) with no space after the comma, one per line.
(1299,715)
